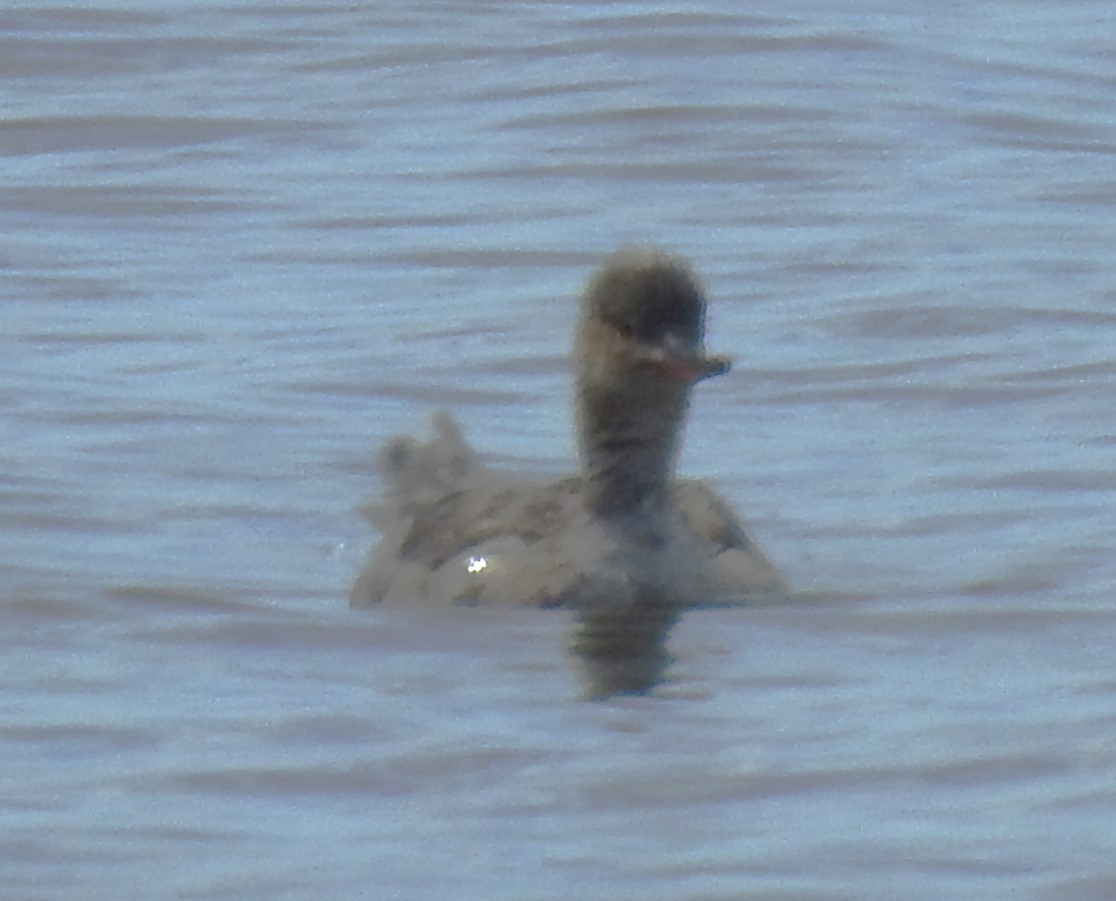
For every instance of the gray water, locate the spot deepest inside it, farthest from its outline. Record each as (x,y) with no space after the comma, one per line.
(244,244)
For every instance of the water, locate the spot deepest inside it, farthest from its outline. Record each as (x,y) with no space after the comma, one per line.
(244,244)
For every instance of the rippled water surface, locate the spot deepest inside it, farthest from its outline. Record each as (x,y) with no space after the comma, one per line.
(244,244)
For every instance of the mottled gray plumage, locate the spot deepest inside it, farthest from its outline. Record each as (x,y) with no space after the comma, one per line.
(621,536)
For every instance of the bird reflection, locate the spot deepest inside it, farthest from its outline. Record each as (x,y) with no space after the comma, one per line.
(623,652)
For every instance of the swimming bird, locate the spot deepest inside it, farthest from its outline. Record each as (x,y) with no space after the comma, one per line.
(623,543)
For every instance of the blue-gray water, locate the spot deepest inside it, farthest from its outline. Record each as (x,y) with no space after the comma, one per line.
(243,244)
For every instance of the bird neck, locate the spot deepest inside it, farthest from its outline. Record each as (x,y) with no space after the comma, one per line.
(629,445)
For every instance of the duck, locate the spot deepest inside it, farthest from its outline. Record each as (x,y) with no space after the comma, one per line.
(623,542)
